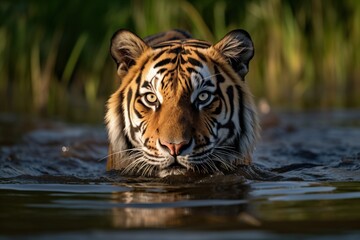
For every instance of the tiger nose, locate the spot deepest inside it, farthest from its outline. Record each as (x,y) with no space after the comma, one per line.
(174,148)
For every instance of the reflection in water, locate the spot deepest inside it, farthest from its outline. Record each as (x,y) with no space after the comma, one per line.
(136,217)
(213,205)
(173,206)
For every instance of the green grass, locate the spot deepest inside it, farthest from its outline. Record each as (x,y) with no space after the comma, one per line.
(54,57)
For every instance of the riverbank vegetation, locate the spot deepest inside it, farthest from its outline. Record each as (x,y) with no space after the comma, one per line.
(54,57)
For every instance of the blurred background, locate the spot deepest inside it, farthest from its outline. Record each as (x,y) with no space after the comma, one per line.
(55,62)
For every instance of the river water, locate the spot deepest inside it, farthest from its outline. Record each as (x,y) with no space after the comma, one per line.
(305,184)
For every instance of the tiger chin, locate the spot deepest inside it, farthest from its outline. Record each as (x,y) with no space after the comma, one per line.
(183,105)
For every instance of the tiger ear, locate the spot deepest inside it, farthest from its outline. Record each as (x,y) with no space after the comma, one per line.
(125,48)
(237,47)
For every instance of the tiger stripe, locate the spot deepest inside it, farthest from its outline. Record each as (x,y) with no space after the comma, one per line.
(200,104)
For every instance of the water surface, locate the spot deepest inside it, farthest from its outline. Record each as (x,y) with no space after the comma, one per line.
(305,184)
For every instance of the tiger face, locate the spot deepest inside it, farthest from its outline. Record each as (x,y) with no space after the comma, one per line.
(182,105)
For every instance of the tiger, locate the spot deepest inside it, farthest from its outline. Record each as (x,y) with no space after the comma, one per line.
(182,106)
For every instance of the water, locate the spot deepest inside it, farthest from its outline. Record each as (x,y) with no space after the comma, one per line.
(305,184)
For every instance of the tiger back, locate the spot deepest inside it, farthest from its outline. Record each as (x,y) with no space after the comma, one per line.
(183,105)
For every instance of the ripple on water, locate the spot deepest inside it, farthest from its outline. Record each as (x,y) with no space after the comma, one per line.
(305,183)
(310,151)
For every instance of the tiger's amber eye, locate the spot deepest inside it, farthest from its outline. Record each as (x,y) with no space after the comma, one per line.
(151,98)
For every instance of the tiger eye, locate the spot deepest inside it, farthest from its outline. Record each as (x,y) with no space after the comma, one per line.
(203,96)
(151,98)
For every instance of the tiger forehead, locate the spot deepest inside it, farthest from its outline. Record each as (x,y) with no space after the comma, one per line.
(176,66)
(183,43)
(186,51)
(179,56)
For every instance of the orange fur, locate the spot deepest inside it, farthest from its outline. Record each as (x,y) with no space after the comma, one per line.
(143,135)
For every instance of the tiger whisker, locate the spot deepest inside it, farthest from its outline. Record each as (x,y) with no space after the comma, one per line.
(212,164)
(213,75)
(134,164)
(226,164)
(227,149)
(142,166)
(228,152)
(148,170)
(228,155)
(119,152)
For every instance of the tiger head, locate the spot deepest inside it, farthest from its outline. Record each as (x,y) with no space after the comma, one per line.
(182,106)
